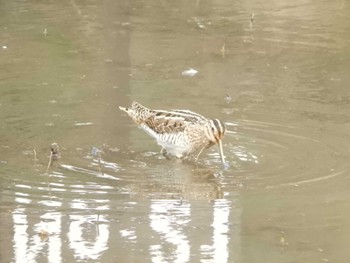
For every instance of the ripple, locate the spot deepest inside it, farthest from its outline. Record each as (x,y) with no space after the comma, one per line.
(98,174)
(326,177)
(271,155)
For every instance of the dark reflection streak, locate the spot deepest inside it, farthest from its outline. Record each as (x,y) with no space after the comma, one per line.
(117,30)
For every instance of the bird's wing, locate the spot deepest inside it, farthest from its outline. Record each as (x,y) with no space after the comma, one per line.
(171,121)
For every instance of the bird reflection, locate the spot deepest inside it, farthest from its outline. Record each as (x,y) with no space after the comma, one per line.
(182,181)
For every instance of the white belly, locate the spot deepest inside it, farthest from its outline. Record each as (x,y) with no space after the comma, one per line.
(175,144)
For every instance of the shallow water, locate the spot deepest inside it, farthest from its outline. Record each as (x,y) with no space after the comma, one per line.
(275,72)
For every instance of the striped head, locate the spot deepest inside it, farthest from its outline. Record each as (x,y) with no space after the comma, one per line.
(215,133)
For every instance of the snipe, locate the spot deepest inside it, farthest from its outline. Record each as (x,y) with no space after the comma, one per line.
(178,132)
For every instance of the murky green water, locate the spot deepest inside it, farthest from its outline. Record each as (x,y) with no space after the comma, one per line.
(275,72)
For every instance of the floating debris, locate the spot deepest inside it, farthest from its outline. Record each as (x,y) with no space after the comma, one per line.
(223,50)
(55,150)
(96,152)
(54,155)
(252,19)
(83,123)
(283,241)
(114,149)
(35,158)
(228,98)
(126,24)
(4,47)
(201,26)
(44,235)
(189,72)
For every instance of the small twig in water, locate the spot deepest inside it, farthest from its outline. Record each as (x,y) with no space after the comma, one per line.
(223,50)
(251,21)
(98,217)
(97,223)
(49,164)
(100,162)
(97,153)
(35,159)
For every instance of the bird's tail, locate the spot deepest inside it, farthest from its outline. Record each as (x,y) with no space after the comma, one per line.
(136,111)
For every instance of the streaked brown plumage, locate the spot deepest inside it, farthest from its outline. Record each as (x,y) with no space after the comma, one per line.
(178,132)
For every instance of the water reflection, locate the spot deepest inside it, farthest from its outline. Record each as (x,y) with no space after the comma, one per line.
(175,241)
(178,181)
(87,240)
(31,240)
(78,212)
(168,231)
(169,220)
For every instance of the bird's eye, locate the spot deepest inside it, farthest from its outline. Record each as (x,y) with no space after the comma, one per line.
(212,129)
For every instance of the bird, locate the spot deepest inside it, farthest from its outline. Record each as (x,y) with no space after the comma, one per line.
(179,132)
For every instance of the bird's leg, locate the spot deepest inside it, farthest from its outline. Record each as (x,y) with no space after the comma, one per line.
(188,153)
(199,154)
(165,153)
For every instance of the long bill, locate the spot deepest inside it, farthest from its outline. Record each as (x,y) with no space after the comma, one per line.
(221,153)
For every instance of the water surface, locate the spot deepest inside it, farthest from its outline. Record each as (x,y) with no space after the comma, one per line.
(275,72)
